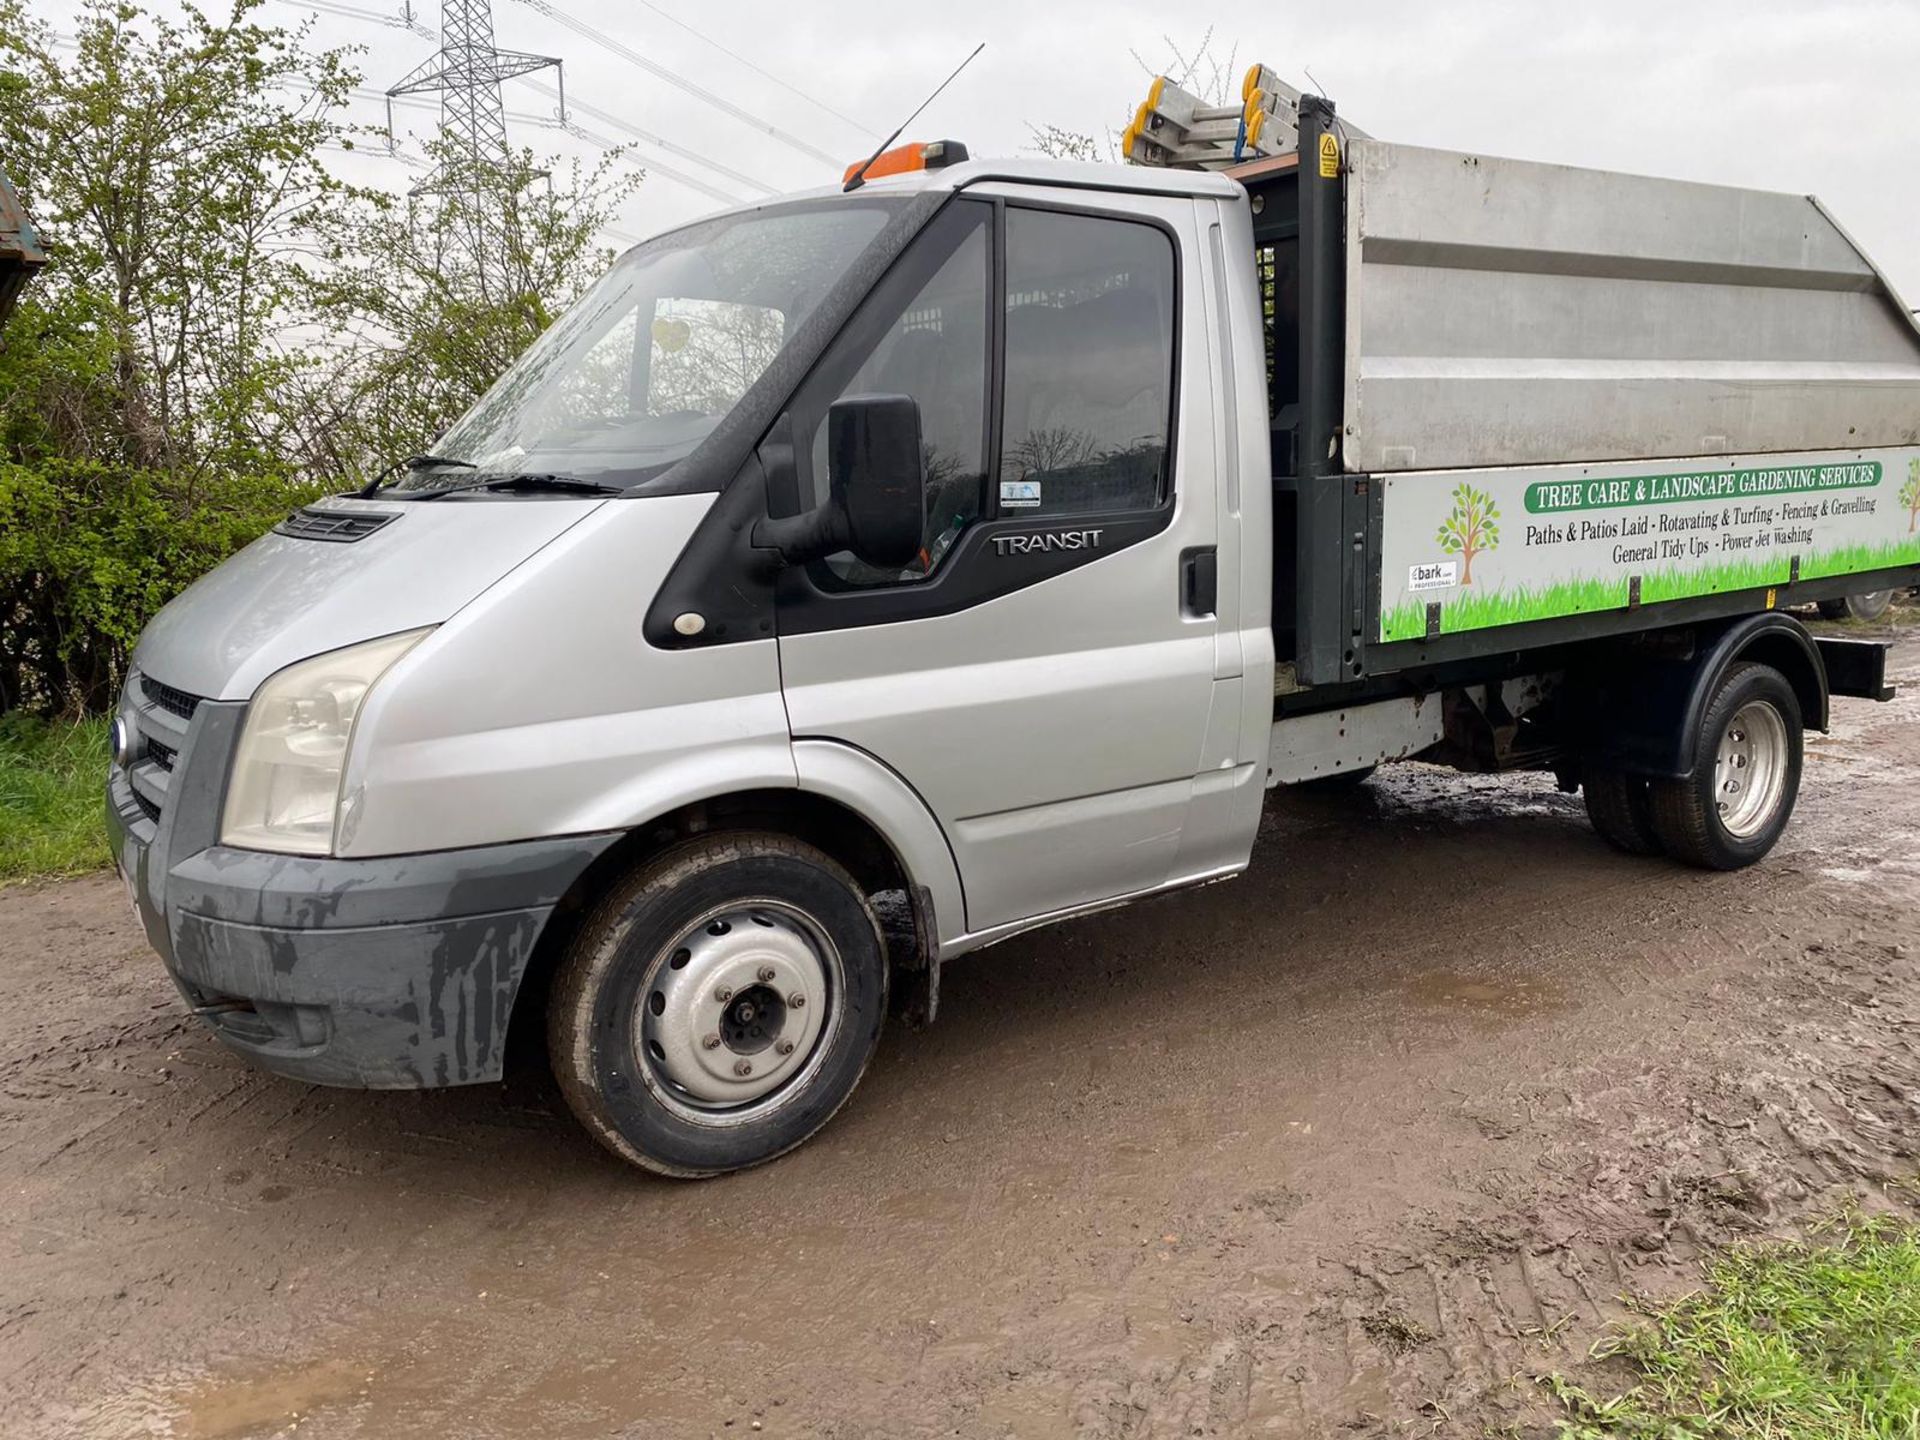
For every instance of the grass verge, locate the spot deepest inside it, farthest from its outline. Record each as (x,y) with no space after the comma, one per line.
(1813,1340)
(51,797)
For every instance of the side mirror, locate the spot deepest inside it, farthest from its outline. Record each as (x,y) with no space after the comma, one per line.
(877,476)
(876,488)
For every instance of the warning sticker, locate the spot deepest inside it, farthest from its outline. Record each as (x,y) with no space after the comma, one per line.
(1329,157)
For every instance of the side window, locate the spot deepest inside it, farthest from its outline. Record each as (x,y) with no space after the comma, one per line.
(1089,372)
(924,334)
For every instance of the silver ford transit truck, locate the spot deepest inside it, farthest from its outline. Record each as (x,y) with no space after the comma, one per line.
(852,581)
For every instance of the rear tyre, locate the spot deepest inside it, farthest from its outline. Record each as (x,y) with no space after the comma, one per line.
(719,1005)
(1621,811)
(1729,812)
(1866,607)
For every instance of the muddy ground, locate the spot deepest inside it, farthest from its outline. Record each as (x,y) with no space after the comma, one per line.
(1357,1145)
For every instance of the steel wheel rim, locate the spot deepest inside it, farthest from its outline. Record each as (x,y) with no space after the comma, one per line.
(1872,604)
(1750,769)
(701,1055)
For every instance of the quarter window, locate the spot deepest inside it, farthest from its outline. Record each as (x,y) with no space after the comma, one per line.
(1089,364)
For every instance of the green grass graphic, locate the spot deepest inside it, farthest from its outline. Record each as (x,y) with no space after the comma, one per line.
(1482,609)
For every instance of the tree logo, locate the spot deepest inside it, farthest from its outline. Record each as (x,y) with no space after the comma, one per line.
(1474,527)
(1910,496)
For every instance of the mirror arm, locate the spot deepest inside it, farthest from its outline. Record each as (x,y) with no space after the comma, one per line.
(800,538)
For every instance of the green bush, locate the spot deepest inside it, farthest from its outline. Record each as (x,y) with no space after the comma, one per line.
(88,553)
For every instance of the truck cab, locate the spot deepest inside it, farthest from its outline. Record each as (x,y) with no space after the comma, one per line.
(842,585)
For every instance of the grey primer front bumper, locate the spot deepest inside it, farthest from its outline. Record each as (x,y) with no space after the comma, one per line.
(394,973)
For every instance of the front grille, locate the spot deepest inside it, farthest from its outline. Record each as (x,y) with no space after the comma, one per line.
(147,807)
(174,702)
(162,717)
(342,527)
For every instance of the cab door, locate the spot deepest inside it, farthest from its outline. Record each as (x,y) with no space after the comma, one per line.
(1043,674)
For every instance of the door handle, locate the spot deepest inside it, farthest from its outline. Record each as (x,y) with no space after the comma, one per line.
(1199,582)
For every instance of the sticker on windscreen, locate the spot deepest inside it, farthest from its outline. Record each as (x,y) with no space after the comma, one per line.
(1019,494)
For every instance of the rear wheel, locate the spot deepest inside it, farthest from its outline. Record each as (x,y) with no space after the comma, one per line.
(1621,811)
(1729,812)
(1866,607)
(720,1005)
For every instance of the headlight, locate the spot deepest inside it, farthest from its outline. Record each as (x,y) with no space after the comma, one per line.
(284,794)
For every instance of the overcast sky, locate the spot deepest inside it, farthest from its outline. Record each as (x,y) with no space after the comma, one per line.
(1812,96)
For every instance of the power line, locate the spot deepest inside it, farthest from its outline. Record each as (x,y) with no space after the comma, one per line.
(634,57)
(412,162)
(567,127)
(763,74)
(652,167)
(659,142)
(357,12)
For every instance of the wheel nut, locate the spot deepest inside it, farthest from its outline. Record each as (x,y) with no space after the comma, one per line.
(796,1000)
(710,1042)
(743,1068)
(766,974)
(723,994)
(785,1047)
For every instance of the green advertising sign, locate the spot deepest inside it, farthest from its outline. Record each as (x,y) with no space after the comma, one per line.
(1602,537)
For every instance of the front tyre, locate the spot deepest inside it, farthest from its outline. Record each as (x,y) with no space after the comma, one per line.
(719,1005)
(1729,812)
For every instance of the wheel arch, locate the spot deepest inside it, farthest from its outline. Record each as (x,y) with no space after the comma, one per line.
(1771,639)
(846,804)
(1639,708)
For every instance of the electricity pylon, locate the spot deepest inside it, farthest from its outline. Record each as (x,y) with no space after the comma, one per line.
(466,73)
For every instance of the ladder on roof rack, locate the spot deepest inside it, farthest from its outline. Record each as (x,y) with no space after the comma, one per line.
(1174,129)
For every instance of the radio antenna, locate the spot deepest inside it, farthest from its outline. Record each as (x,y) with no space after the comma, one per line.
(859,177)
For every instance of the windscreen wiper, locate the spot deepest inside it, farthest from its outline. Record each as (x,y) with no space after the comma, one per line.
(411,462)
(563,484)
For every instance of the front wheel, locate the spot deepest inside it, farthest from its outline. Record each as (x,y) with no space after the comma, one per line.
(1729,812)
(719,1005)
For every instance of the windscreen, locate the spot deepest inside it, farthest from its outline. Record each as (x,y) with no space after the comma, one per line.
(632,378)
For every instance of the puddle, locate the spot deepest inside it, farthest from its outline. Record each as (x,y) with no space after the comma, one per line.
(1849,876)
(271,1404)
(1445,989)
